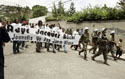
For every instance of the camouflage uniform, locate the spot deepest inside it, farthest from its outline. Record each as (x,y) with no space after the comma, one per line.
(111,46)
(84,40)
(95,38)
(103,48)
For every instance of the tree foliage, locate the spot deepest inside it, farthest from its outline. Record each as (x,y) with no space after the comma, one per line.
(72,9)
(97,14)
(54,11)
(39,11)
(15,12)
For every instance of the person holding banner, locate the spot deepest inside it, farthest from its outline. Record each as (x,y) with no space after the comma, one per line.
(16,44)
(63,33)
(4,37)
(39,44)
(23,42)
(76,32)
(49,29)
(85,40)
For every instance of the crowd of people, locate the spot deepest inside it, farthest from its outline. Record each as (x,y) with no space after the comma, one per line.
(100,43)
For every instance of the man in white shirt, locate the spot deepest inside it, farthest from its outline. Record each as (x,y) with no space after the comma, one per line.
(16,44)
(76,32)
(39,44)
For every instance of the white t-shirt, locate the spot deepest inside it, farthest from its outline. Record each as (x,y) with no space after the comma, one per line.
(75,33)
(48,29)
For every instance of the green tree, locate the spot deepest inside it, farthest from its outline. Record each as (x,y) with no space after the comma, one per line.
(72,9)
(39,11)
(54,11)
(60,10)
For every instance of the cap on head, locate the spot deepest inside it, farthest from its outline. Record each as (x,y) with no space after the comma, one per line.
(86,28)
(112,32)
(95,30)
(104,29)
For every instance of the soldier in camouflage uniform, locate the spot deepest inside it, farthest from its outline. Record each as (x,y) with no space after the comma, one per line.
(112,44)
(95,38)
(85,40)
(103,44)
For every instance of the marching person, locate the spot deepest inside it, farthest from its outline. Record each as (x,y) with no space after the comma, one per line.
(16,44)
(23,43)
(4,37)
(54,30)
(84,40)
(49,29)
(119,49)
(112,44)
(102,47)
(76,32)
(63,35)
(39,44)
(94,41)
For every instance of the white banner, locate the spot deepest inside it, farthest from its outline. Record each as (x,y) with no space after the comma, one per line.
(24,33)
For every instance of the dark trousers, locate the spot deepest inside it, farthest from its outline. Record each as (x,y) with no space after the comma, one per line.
(16,45)
(1,68)
(23,44)
(102,50)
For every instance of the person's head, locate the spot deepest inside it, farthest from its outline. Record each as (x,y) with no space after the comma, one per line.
(95,30)
(63,30)
(120,40)
(104,30)
(86,29)
(112,33)
(46,24)
(67,29)
(77,30)
(50,26)
(3,23)
(17,21)
(40,23)
(54,25)
(24,23)
(59,24)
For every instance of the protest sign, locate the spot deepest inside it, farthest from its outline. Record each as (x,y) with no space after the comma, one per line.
(22,33)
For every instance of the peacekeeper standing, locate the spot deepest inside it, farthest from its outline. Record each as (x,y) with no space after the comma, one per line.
(4,37)
(103,47)
(85,40)
(95,38)
(112,44)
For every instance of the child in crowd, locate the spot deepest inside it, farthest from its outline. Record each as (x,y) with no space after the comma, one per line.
(119,49)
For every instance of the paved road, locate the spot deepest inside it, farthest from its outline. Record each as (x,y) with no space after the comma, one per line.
(46,65)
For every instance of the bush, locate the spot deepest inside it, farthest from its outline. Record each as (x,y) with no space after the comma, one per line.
(51,19)
(97,13)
